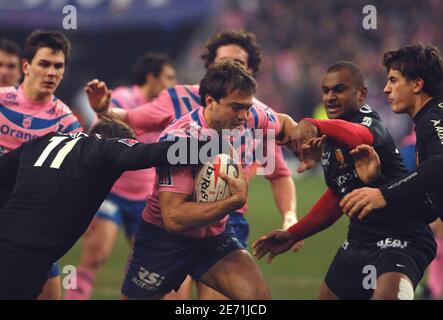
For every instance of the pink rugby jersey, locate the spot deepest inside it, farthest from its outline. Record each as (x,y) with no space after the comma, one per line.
(22,120)
(134,185)
(176,101)
(181,179)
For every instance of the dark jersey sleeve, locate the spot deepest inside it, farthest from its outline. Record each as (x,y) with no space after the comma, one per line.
(429,174)
(127,154)
(375,126)
(8,171)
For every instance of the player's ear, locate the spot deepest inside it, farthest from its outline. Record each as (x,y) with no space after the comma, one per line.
(362,93)
(25,67)
(149,77)
(418,85)
(209,101)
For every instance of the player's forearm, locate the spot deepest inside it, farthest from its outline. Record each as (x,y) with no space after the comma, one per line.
(426,177)
(286,126)
(190,215)
(283,189)
(120,114)
(343,133)
(324,213)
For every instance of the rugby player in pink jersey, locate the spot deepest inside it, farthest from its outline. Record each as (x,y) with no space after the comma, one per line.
(181,237)
(10,73)
(151,74)
(32,110)
(171,104)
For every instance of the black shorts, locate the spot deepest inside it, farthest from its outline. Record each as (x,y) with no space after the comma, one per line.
(23,272)
(357,264)
(161,261)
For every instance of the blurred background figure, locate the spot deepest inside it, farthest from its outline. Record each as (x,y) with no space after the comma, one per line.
(10,72)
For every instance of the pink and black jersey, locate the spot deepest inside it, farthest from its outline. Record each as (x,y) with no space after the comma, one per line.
(22,120)
(181,180)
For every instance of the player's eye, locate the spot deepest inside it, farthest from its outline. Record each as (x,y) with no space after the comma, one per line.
(339,88)
(58,65)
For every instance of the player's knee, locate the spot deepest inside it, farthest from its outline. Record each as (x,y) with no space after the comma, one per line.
(403,291)
(258,291)
(95,255)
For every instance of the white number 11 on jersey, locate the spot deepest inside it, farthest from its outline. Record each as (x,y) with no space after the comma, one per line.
(61,155)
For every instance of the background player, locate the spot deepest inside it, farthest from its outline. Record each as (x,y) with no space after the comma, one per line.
(10,72)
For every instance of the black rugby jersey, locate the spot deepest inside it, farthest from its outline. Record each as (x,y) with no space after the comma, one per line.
(426,181)
(341,177)
(58,181)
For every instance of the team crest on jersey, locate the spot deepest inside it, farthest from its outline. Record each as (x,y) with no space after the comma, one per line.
(128,142)
(11,96)
(27,122)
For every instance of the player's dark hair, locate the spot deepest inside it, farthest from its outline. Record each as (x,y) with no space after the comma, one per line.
(148,63)
(356,74)
(110,127)
(223,77)
(242,38)
(10,47)
(418,61)
(54,40)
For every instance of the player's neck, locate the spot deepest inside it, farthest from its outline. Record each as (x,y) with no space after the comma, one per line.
(420,102)
(146,92)
(207,115)
(34,95)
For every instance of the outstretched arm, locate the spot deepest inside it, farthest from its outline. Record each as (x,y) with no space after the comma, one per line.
(324,213)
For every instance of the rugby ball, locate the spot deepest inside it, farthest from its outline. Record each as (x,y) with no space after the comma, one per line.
(209,187)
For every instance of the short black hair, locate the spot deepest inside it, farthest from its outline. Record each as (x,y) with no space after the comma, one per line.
(148,63)
(418,61)
(10,47)
(110,127)
(242,38)
(54,40)
(224,77)
(356,74)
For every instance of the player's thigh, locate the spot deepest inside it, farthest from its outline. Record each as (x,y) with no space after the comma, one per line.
(207,293)
(52,289)
(326,293)
(100,237)
(399,270)
(237,276)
